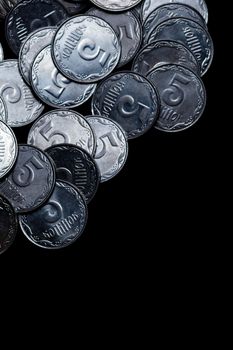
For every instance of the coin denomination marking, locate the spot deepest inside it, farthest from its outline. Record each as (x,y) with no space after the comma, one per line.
(174,94)
(103,147)
(60,82)
(19,177)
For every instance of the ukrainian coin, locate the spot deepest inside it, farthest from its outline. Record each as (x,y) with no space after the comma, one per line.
(6,6)
(112,147)
(62,126)
(30,48)
(8,149)
(182,94)
(74,7)
(127,28)
(8,224)
(113,5)
(1,53)
(76,166)
(60,221)
(22,106)
(30,15)
(164,52)
(86,49)
(3,111)
(31,181)
(129,99)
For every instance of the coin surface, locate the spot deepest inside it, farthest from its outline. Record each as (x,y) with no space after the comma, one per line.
(113,5)
(76,166)
(8,224)
(1,53)
(8,149)
(86,49)
(62,126)
(31,180)
(3,111)
(112,147)
(129,99)
(22,106)
(182,94)
(60,221)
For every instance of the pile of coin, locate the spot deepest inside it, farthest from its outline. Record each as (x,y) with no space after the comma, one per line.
(140,65)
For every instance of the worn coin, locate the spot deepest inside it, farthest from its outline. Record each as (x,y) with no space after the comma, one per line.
(1,53)
(74,7)
(182,94)
(8,224)
(86,49)
(8,149)
(60,221)
(113,5)
(3,110)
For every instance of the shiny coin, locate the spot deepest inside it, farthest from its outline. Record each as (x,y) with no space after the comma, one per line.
(112,147)
(86,49)
(113,5)
(8,224)
(182,94)
(31,181)
(60,221)
(8,149)
(1,53)
(3,111)
(76,166)
(22,106)
(129,99)
(61,126)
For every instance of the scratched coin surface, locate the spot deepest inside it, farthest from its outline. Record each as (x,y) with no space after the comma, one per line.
(30,48)
(182,94)
(112,146)
(76,166)
(86,49)
(30,15)
(116,5)
(60,221)
(62,126)
(129,99)
(8,149)
(22,106)
(3,110)
(8,224)
(31,180)
(1,53)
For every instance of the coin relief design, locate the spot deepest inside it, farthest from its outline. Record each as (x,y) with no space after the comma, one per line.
(8,149)
(116,5)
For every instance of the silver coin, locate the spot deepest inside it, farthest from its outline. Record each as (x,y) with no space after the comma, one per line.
(30,48)
(182,94)
(86,49)
(22,106)
(74,7)
(112,147)
(3,111)
(1,53)
(62,126)
(116,5)
(8,149)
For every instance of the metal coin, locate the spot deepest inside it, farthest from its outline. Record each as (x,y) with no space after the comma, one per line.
(31,181)
(129,99)
(60,221)
(8,149)
(30,48)
(22,106)
(112,147)
(76,166)
(86,49)
(6,6)
(127,28)
(182,94)
(3,111)
(62,126)
(113,5)
(8,224)
(1,53)
(74,7)
(164,52)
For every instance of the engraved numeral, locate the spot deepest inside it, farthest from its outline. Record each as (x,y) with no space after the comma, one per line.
(103,147)
(125,31)
(47,136)
(174,95)
(39,22)
(64,174)
(52,211)
(59,84)
(25,175)
(11,92)
(88,51)
(128,107)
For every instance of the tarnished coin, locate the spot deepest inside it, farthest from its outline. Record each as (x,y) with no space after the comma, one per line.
(52,87)
(29,15)
(74,7)
(60,221)
(162,52)
(3,111)
(76,166)
(115,5)
(8,149)
(182,94)
(62,126)
(8,224)
(129,99)
(31,181)
(127,28)
(1,53)
(86,49)
(112,147)
(30,48)
(22,106)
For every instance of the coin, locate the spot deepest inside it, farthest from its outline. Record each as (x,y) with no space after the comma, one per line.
(113,5)
(76,166)
(129,99)
(30,48)
(62,126)
(112,147)
(3,111)
(31,181)
(1,53)
(86,49)
(74,7)
(22,106)
(183,97)
(60,221)
(8,149)
(29,15)
(8,224)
